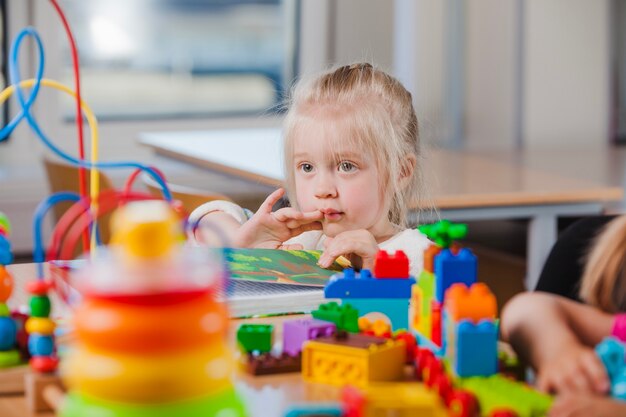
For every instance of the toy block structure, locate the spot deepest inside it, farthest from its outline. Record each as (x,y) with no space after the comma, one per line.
(496,393)
(612,353)
(345,316)
(296,332)
(151,333)
(471,331)
(445,263)
(405,399)
(354,359)
(255,337)
(370,294)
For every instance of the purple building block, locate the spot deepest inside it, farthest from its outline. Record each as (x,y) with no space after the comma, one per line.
(296,332)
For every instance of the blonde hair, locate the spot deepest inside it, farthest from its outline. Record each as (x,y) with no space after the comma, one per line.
(604,278)
(379,112)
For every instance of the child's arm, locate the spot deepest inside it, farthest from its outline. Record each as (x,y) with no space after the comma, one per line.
(556,336)
(265,229)
(586,405)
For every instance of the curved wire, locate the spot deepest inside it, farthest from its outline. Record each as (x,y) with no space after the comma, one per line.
(17,86)
(40,213)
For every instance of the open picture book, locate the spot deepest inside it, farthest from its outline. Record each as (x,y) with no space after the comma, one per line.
(270,281)
(262,281)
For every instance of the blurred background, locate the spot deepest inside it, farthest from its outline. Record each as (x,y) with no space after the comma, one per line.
(495,77)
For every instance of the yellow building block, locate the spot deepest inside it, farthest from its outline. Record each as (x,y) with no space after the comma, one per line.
(354,359)
(402,399)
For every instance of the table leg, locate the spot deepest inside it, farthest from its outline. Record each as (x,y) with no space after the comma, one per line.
(542,233)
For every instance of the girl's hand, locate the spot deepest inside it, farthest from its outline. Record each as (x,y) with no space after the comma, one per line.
(359,243)
(577,370)
(587,405)
(269,230)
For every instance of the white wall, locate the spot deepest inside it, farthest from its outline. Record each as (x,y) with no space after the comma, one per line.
(536,71)
(566,71)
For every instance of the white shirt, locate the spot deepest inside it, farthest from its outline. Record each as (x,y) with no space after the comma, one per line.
(411,241)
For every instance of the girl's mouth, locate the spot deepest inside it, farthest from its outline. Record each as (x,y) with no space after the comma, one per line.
(332,215)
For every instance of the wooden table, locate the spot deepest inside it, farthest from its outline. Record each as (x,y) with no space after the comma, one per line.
(462,185)
(267,396)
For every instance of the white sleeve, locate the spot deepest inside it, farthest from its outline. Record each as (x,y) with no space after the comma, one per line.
(241,215)
(413,243)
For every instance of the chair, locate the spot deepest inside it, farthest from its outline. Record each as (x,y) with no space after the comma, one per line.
(64,177)
(189,197)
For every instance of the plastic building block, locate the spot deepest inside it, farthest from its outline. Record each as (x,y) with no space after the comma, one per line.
(476,349)
(296,332)
(405,399)
(503,412)
(316,411)
(395,309)
(345,317)
(380,327)
(436,323)
(612,354)
(255,337)
(354,359)
(409,341)
(422,295)
(362,285)
(474,303)
(497,392)
(268,364)
(450,268)
(391,266)
(429,257)
(444,232)
(463,403)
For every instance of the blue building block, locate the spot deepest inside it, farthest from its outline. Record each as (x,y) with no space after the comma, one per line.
(330,410)
(6,257)
(354,285)
(8,333)
(612,354)
(450,268)
(476,352)
(396,309)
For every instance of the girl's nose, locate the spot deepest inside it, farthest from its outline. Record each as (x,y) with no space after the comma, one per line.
(325,187)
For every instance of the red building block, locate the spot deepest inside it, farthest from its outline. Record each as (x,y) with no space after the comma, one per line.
(391,266)
(435,317)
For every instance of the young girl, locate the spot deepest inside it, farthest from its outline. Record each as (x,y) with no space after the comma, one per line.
(351,152)
(557,335)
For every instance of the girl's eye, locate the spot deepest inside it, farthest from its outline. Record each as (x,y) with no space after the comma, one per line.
(347,166)
(306,167)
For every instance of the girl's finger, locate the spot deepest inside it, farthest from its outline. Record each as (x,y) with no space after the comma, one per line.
(595,372)
(305,228)
(286,213)
(292,246)
(271,199)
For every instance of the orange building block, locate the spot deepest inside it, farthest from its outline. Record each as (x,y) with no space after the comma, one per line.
(474,303)
(429,257)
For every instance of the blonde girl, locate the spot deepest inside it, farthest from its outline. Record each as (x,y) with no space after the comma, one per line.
(352,159)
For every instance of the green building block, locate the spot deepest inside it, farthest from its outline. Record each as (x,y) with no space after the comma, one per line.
(444,232)
(426,283)
(344,316)
(498,391)
(255,337)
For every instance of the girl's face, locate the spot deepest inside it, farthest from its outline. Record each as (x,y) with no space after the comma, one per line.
(342,182)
